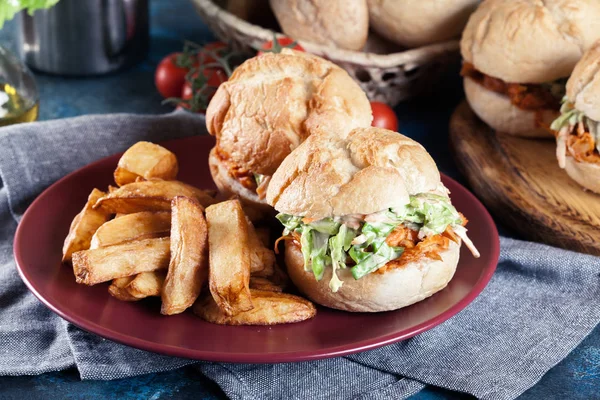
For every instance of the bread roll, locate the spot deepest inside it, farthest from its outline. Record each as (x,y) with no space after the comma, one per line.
(370,170)
(272,102)
(335,23)
(415,23)
(530,41)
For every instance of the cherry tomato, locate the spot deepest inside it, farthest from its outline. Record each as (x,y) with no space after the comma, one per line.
(282,42)
(384,116)
(186,92)
(169,78)
(214,78)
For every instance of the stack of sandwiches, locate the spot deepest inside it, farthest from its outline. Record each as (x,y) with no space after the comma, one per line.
(368,225)
(531,68)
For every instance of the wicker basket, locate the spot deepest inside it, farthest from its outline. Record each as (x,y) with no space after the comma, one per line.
(389,78)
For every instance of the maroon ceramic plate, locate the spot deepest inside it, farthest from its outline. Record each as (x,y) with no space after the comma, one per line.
(38,245)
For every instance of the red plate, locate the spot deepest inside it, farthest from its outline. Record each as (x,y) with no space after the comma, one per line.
(38,245)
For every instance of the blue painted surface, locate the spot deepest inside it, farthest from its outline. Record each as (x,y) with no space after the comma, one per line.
(426,120)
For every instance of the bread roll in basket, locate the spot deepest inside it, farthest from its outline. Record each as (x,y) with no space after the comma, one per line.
(389,78)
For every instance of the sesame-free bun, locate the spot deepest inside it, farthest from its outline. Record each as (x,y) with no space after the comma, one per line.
(498,112)
(530,41)
(334,23)
(395,288)
(585,174)
(583,87)
(415,23)
(370,170)
(254,207)
(272,102)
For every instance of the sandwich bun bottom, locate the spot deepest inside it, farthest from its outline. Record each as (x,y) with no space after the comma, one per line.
(498,112)
(254,207)
(394,289)
(585,174)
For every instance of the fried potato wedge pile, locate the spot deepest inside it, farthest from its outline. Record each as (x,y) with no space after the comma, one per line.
(154,236)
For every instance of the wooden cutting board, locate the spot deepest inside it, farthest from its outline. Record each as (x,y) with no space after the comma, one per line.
(521,184)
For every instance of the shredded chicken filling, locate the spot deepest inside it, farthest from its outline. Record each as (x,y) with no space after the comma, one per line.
(531,97)
(579,143)
(576,135)
(415,248)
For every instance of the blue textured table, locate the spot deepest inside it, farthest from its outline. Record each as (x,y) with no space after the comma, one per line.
(426,120)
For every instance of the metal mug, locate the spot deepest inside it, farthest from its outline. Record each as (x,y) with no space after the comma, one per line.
(85,37)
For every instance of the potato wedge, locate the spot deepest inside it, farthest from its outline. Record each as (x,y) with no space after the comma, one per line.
(264,235)
(118,289)
(126,259)
(188,269)
(258,283)
(84,226)
(263,261)
(280,277)
(146,160)
(151,195)
(270,308)
(211,192)
(142,225)
(261,258)
(146,284)
(229,257)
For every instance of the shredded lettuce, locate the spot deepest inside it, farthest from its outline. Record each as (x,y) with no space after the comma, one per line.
(331,243)
(431,211)
(318,253)
(289,222)
(327,225)
(373,261)
(338,247)
(306,241)
(8,8)
(569,115)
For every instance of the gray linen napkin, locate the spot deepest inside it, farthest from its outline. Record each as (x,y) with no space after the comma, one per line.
(540,304)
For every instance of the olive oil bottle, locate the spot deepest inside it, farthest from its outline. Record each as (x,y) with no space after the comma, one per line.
(14,108)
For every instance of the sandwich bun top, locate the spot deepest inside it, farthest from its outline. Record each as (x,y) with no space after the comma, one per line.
(370,170)
(583,87)
(271,103)
(530,41)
